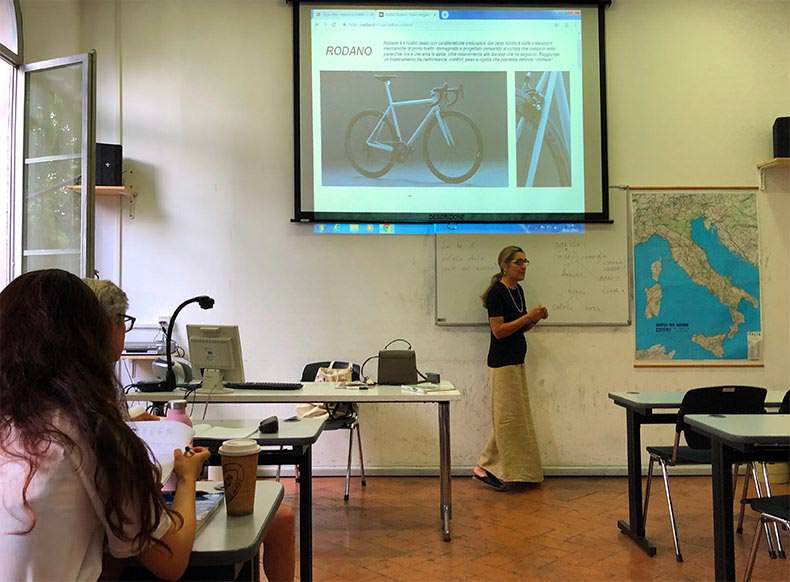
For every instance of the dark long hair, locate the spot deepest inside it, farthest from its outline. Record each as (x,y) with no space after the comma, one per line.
(54,343)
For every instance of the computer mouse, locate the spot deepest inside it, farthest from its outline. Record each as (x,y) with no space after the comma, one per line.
(269,425)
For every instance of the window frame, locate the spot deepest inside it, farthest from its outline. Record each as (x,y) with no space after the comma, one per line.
(87,61)
(14,59)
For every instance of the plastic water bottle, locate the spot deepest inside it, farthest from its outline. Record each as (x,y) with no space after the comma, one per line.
(177,410)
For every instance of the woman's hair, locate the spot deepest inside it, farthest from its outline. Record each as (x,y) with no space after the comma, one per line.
(53,361)
(111,297)
(505,256)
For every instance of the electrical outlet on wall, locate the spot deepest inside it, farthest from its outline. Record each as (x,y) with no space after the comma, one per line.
(163,321)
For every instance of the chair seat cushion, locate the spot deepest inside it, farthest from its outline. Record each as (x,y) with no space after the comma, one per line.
(685,456)
(777,506)
(337,423)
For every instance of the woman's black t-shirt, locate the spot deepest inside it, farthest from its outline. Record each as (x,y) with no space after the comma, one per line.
(505,303)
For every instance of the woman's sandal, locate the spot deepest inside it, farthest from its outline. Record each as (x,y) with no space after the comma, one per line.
(490,480)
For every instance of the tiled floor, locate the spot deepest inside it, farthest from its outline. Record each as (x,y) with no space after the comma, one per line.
(564,529)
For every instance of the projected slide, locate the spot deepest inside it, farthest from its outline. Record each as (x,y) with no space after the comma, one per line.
(446,113)
(423,129)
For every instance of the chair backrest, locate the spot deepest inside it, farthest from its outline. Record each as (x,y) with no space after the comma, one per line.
(784,408)
(718,400)
(311,370)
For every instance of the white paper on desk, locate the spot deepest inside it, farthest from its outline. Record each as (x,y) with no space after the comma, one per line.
(426,387)
(206,431)
(162,437)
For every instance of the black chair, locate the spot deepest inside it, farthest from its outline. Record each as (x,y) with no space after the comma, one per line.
(709,400)
(784,408)
(341,416)
(773,510)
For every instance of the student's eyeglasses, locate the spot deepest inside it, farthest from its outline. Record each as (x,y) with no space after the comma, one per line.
(520,262)
(128,321)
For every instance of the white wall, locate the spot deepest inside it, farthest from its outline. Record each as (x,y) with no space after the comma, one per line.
(205,114)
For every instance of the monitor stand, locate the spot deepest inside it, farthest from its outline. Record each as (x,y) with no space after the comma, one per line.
(212,383)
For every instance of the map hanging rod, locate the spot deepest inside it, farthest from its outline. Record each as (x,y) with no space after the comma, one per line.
(630,187)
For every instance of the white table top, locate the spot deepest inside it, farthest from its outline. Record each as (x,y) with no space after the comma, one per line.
(229,539)
(661,399)
(310,392)
(761,429)
(302,431)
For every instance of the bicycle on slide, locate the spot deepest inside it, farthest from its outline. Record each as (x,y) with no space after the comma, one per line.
(452,144)
(543,150)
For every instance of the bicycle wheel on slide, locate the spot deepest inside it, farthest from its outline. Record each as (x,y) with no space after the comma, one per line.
(553,167)
(370,161)
(458,162)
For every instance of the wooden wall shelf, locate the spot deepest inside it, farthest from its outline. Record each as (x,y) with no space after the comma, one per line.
(768,164)
(127,191)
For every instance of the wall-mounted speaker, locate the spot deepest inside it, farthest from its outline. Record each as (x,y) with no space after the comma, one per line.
(782,137)
(109,162)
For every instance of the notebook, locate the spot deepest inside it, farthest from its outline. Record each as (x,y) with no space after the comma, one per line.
(206,505)
(162,437)
(206,431)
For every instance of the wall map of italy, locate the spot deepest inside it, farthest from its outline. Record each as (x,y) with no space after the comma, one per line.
(696,276)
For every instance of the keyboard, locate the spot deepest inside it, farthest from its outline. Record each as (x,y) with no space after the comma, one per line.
(263,385)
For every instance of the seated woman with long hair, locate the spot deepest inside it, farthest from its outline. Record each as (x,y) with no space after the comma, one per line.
(74,477)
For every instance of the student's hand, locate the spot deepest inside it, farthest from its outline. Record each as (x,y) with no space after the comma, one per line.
(146,416)
(189,465)
(544,312)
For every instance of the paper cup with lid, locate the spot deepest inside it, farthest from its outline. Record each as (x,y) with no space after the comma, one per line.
(239,471)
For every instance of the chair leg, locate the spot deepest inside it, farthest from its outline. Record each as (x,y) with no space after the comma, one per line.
(758,490)
(648,483)
(735,469)
(744,495)
(758,532)
(678,555)
(347,489)
(277,474)
(361,458)
(779,547)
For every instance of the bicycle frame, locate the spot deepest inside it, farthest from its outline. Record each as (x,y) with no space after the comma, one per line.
(392,105)
(549,85)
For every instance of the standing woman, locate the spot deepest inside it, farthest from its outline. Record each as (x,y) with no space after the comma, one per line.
(511,454)
(74,477)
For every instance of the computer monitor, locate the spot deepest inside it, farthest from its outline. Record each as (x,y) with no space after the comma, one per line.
(216,349)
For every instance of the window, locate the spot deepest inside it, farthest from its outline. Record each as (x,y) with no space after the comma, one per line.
(56,202)
(10,59)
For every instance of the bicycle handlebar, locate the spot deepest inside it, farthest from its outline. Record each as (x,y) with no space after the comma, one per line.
(442,93)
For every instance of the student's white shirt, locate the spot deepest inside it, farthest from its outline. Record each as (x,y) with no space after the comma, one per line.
(70,528)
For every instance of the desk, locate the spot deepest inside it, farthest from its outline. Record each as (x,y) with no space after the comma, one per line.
(330,392)
(225,542)
(639,408)
(300,437)
(235,539)
(752,437)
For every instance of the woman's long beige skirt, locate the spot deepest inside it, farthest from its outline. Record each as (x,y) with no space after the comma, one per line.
(512,450)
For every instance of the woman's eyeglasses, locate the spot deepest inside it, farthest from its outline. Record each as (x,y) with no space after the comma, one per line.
(128,321)
(520,262)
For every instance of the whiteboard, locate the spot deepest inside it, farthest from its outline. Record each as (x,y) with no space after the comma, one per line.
(582,278)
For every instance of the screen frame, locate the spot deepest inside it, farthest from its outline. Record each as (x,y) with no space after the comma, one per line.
(310,216)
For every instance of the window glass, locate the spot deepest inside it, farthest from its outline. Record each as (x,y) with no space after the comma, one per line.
(52,169)
(7,77)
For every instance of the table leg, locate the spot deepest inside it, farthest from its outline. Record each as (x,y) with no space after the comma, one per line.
(723,538)
(306,514)
(635,527)
(446,501)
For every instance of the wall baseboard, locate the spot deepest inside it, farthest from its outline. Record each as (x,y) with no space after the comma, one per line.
(466,471)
